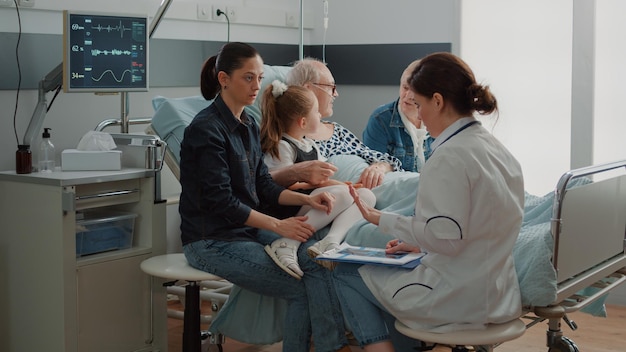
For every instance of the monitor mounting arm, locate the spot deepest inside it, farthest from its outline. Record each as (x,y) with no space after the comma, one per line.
(52,81)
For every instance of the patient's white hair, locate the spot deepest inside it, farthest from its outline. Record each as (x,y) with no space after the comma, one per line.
(303,72)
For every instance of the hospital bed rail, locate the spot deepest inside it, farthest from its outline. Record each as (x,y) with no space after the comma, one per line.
(118,122)
(584,279)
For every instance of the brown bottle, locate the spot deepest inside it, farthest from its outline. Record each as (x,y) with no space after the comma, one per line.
(23,159)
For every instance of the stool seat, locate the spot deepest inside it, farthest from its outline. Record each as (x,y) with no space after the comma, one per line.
(492,334)
(174,266)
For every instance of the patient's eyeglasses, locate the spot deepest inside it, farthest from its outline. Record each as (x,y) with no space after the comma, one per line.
(333,86)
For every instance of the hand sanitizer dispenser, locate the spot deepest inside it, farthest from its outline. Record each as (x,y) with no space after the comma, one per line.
(46,152)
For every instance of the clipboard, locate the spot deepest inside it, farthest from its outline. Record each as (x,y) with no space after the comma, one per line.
(372,256)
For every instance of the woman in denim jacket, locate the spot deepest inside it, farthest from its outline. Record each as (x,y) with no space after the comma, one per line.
(224,180)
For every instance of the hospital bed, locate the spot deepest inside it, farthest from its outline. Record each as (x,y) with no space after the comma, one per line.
(569,254)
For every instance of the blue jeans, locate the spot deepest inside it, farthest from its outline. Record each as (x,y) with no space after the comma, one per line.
(313,307)
(368,320)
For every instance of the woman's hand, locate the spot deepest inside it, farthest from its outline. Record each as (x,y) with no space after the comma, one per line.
(374,175)
(323,201)
(295,228)
(369,213)
(396,245)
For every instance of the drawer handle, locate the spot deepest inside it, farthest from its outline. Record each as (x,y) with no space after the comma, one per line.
(108,194)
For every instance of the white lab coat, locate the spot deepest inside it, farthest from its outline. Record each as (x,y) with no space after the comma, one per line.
(468,215)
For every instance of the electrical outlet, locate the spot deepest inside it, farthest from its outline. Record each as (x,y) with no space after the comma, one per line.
(232,13)
(6,3)
(214,15)
(203,12)
(26,3)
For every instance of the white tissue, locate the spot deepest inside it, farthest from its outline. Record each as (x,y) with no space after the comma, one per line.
(94,140)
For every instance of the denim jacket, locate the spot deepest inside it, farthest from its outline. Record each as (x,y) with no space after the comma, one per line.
(223,176)
(386,133)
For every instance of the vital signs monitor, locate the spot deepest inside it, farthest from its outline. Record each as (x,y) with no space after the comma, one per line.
(104,52)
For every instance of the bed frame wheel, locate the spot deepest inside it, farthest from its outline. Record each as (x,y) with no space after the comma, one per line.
(212,343)
(563,344)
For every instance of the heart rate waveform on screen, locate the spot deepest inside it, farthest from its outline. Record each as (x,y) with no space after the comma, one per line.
(108,28)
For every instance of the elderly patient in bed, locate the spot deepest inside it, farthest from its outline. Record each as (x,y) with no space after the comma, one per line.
(330,137)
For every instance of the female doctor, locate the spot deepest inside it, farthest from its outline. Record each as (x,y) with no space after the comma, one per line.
(467,218)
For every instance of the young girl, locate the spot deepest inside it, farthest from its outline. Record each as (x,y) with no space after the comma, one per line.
(289,115)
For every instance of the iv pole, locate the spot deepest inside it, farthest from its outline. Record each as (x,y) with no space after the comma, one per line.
(301,45)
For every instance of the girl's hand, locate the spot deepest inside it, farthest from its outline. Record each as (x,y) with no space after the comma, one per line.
(331,183)
(396,245)
(369,213)
(295,228)
(314,172)
(355,185)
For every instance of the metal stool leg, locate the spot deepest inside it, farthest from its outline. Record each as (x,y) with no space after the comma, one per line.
(191,321)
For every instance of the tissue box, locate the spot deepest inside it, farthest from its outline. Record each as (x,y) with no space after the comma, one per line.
(91,160)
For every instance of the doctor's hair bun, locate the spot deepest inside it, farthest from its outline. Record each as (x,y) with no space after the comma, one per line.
(483,101)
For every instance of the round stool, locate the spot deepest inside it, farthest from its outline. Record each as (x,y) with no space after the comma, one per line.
(175,267)
(493,334)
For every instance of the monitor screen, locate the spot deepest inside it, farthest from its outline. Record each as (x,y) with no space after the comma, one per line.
(105,52)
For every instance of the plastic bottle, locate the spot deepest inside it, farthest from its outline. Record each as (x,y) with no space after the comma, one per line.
(23,159)
(46,152)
